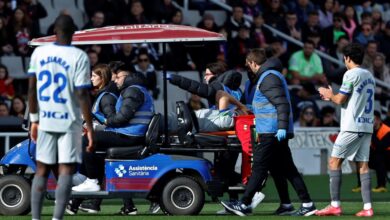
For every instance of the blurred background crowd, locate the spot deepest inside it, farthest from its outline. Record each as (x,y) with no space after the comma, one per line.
(321,25)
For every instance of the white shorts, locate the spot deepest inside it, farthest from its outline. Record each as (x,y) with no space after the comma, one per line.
(53,147)
(352,145)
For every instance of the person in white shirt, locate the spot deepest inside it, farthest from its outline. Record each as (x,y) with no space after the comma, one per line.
(59,78)
(356,97)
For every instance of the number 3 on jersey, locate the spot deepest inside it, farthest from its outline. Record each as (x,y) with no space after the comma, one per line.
(370,101)
(59,79)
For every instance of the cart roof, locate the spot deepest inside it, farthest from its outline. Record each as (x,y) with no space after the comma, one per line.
(141,33)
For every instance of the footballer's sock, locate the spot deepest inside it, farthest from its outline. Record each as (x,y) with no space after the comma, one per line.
(64,186)
(335,203)
(335,184)
(38,190)
(366,189)
(307,204)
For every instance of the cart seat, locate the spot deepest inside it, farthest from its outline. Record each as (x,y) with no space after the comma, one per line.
(132,152)
(139,152)
(187,134)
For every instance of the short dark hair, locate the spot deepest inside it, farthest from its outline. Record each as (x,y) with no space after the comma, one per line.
(313,34)
(309,87)
(216,68)
(257,55)
(290,12)
(65,24)
(4,104)
(327,109)
(355,52)
(92,51)
(113,65)
(143,51)
(309,42)
(315,13)
(136,1)
(365,14)
(372,42)
(122,67)
(343,37)
(338,16)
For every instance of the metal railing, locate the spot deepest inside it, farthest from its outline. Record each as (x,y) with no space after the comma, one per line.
(8,135)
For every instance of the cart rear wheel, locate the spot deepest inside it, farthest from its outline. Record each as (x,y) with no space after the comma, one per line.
(183,196)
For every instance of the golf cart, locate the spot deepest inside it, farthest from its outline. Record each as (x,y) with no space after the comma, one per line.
(161,169)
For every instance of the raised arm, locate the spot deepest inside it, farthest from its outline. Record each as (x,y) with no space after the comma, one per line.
(201,89)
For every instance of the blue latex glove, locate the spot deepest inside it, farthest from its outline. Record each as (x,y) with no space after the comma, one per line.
(99,118)
(281,134)
(169,76)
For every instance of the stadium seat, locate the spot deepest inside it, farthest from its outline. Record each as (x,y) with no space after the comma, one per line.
(79,17)
(61,4)
(44,23)
(54,7)
(74,9)
(139,152)
(191,17)
(48,4)
(48,20)
(219,16)
(15,66)
(80,5)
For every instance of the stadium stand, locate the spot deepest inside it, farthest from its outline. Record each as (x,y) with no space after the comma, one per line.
(17,66)
(220,10)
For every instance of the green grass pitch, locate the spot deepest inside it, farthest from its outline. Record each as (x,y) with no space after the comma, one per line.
(317,185)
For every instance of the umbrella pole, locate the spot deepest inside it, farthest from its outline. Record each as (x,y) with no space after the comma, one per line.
(165,95)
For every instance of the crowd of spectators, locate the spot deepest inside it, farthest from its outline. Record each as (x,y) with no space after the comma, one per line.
(326,25)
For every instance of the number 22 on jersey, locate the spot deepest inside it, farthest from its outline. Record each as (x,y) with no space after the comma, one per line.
(47,78)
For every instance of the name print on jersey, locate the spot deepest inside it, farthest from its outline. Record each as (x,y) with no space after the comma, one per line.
(57,60)
(364,84)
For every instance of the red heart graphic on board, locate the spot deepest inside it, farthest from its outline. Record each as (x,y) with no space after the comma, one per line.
(332,137)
